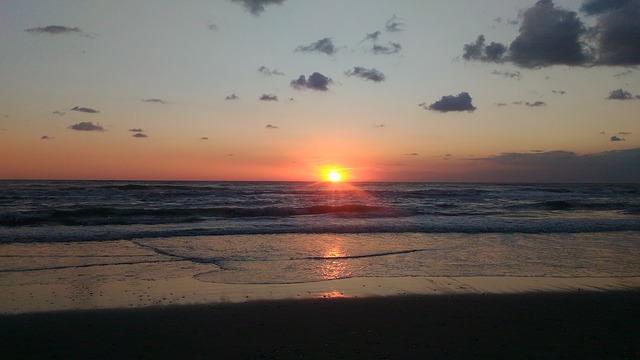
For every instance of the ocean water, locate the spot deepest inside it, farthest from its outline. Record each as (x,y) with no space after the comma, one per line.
(291,232)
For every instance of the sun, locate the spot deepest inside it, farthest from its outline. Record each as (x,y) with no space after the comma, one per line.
(334,175)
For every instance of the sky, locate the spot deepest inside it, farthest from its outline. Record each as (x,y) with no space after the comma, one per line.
(406,90)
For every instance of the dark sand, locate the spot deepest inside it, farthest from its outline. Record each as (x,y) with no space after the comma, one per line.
(591,325)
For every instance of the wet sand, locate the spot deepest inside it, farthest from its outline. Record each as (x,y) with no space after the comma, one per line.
(574,324)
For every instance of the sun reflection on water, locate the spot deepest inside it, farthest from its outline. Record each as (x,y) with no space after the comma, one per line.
(335,265)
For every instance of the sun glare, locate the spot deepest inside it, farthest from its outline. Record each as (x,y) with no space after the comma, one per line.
(334,175)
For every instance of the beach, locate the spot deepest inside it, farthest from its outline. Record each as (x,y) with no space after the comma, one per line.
(578,324)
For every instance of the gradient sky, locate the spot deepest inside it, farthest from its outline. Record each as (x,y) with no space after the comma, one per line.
(401,90)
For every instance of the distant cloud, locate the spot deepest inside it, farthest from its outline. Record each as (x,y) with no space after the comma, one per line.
(137,130)
(562,166)
(372,37)
(55,30)
(386,50)
(624,133)
(157,101)
(461,102)
(140,135)
(58,112)
(620,94)
(324,46)
(257,6)
(367,74)
(212,27)
(271,127)
(559,92)
(509,74)
(411,154)
(394,24)
(86,126)
(268,97)
(232,97)
(501,104)
(551,35)
(501,20)
(85,110)
(379,125)
(536,104)
(316,81)
(266,71)
(46,137)
(204,138)
(615,138)
(624,73)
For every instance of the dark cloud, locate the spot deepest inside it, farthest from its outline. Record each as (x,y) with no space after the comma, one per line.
(212,27)
(592,7)
(620,94)
(394,24)
(324,46)
(157,101)
(559,92)
(618,34)
(46,137)
(85,110)
(615,138)
(373,36)
(232,97)
(411,154)
(86,126)
(620,166)
(139,135)
(268,97)
(549,36)
(367,74)
(386,50)
(478,50)
(510,74)
(461,102)
(266,71)
(536,104)
(316,81)
(257,6)
(58,112)
(55,30)
(271,127)
(204,138)
(136,130)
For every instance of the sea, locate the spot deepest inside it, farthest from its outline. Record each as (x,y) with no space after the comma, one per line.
(296,232)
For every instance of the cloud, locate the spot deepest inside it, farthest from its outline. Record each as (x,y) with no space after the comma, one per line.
(140,135)
(316,81)
(271,127)
(85,110)
(212,27)
(204,138)
(411,154)
(373,36)
(617,33)
(394,24)
(46,137)
(615,138)
(378,125)
(461,102)
(268,97)
(501,104)
(55,30)
(386,50)
(86,126)
(536,104)
(478,50)
(266,71)
(620,94)
(157,101)
(58,112)
(510,74)
(137,130)
(257,6)
(232,97)
(624,133)
(367,74)
(551,35)
(324,46)
(621,166)
(624,73)
(559,92)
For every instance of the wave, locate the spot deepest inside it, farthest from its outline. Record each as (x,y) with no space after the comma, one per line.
(125,216)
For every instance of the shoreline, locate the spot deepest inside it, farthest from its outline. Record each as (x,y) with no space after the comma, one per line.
(140,293)
(573,324)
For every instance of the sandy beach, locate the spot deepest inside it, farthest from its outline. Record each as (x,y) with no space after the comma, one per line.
(575,324)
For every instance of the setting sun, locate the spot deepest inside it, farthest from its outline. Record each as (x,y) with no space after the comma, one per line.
(334,175)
